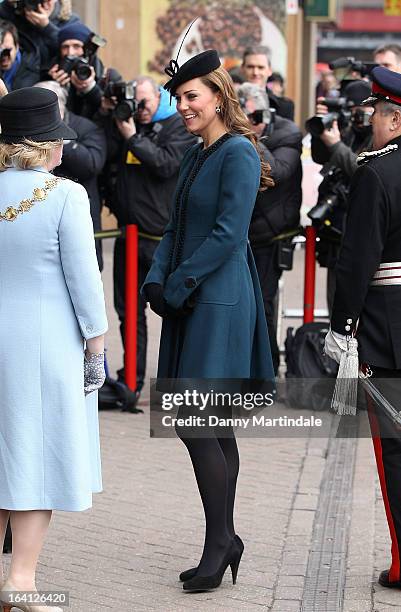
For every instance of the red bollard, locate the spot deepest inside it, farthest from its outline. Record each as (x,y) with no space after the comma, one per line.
(310,274)
(131,304)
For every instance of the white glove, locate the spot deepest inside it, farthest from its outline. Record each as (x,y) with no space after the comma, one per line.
(334,345)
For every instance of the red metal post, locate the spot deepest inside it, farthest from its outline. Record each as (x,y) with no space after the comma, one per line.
(310,273)
(131,304)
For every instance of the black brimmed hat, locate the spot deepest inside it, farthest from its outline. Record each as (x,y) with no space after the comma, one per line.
(33,113)
(197,66)
(386,87)
(356,92)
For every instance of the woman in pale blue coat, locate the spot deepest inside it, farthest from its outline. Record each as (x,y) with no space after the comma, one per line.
(51,302)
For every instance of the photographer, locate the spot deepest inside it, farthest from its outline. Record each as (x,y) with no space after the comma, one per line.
(256,69)
(40,21)
(340,148)
(337,148)
(79,69)
(19,64)
(147,140)
(276,209)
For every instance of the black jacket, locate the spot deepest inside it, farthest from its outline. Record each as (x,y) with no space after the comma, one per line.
(284,106)
(28,72)
(83,160)
(45,39)
(372,236)
(87,104)
(147,173)
(277,208)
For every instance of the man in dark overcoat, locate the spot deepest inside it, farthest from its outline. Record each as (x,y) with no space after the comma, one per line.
(276,209)
(367,301)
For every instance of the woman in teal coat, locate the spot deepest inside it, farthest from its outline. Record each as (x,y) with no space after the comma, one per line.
(204,284)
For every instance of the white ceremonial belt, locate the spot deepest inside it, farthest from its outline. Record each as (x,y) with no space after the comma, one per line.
(387,274)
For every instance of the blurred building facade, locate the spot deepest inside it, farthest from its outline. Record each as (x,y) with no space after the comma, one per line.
(362,25)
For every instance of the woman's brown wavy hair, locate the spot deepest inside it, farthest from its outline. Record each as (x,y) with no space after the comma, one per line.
(234,118)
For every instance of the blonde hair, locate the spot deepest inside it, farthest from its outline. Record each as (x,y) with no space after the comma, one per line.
(234,119)
(27,154)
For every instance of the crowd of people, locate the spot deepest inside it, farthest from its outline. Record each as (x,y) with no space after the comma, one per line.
(131,141)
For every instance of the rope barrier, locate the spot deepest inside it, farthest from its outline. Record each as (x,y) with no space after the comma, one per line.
(121,233)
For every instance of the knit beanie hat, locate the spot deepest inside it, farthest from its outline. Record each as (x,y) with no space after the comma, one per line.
(74,31)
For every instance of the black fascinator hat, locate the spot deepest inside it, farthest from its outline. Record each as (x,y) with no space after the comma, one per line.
(196,66)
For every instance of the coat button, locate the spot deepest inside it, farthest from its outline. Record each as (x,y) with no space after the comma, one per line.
(89,328)
(190,282)
(349,321)
(347,327)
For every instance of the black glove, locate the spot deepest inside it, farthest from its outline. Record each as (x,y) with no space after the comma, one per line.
(154,295)
(183,311)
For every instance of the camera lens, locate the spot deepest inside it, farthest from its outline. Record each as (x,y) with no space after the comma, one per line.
(83,71)
(124,110)
(5,53)
(317,124)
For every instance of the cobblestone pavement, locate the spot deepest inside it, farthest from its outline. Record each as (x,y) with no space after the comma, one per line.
(147,526)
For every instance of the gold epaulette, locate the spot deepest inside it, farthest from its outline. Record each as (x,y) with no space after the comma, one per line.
(39,194)
(368,155)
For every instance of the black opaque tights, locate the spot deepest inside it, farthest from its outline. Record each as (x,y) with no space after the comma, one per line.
(216,463)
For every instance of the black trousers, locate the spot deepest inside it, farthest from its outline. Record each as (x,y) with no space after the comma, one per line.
(386,439)
(146,248)
(269,276)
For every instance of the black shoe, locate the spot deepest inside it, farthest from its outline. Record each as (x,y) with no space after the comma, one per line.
(207,583)
(190,573)
(384,581)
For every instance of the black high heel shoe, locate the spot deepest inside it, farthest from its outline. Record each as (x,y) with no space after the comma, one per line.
(232,558)
(190,573)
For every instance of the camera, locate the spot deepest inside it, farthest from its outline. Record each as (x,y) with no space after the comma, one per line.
(328,216)
(5,53)
(30,5)
(124,92)
(81,65)
(361,118)
(266,116)
(339,110)
(332,201)
(343,67)
(259,116)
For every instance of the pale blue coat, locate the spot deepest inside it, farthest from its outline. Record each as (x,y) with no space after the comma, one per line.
(51,298)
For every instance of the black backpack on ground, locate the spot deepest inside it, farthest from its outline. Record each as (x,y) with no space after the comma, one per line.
(310,376)
(115,394)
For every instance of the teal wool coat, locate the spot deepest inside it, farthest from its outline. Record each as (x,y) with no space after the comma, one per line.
(205,255)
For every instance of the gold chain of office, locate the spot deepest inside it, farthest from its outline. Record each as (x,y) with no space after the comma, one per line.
(39,194)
